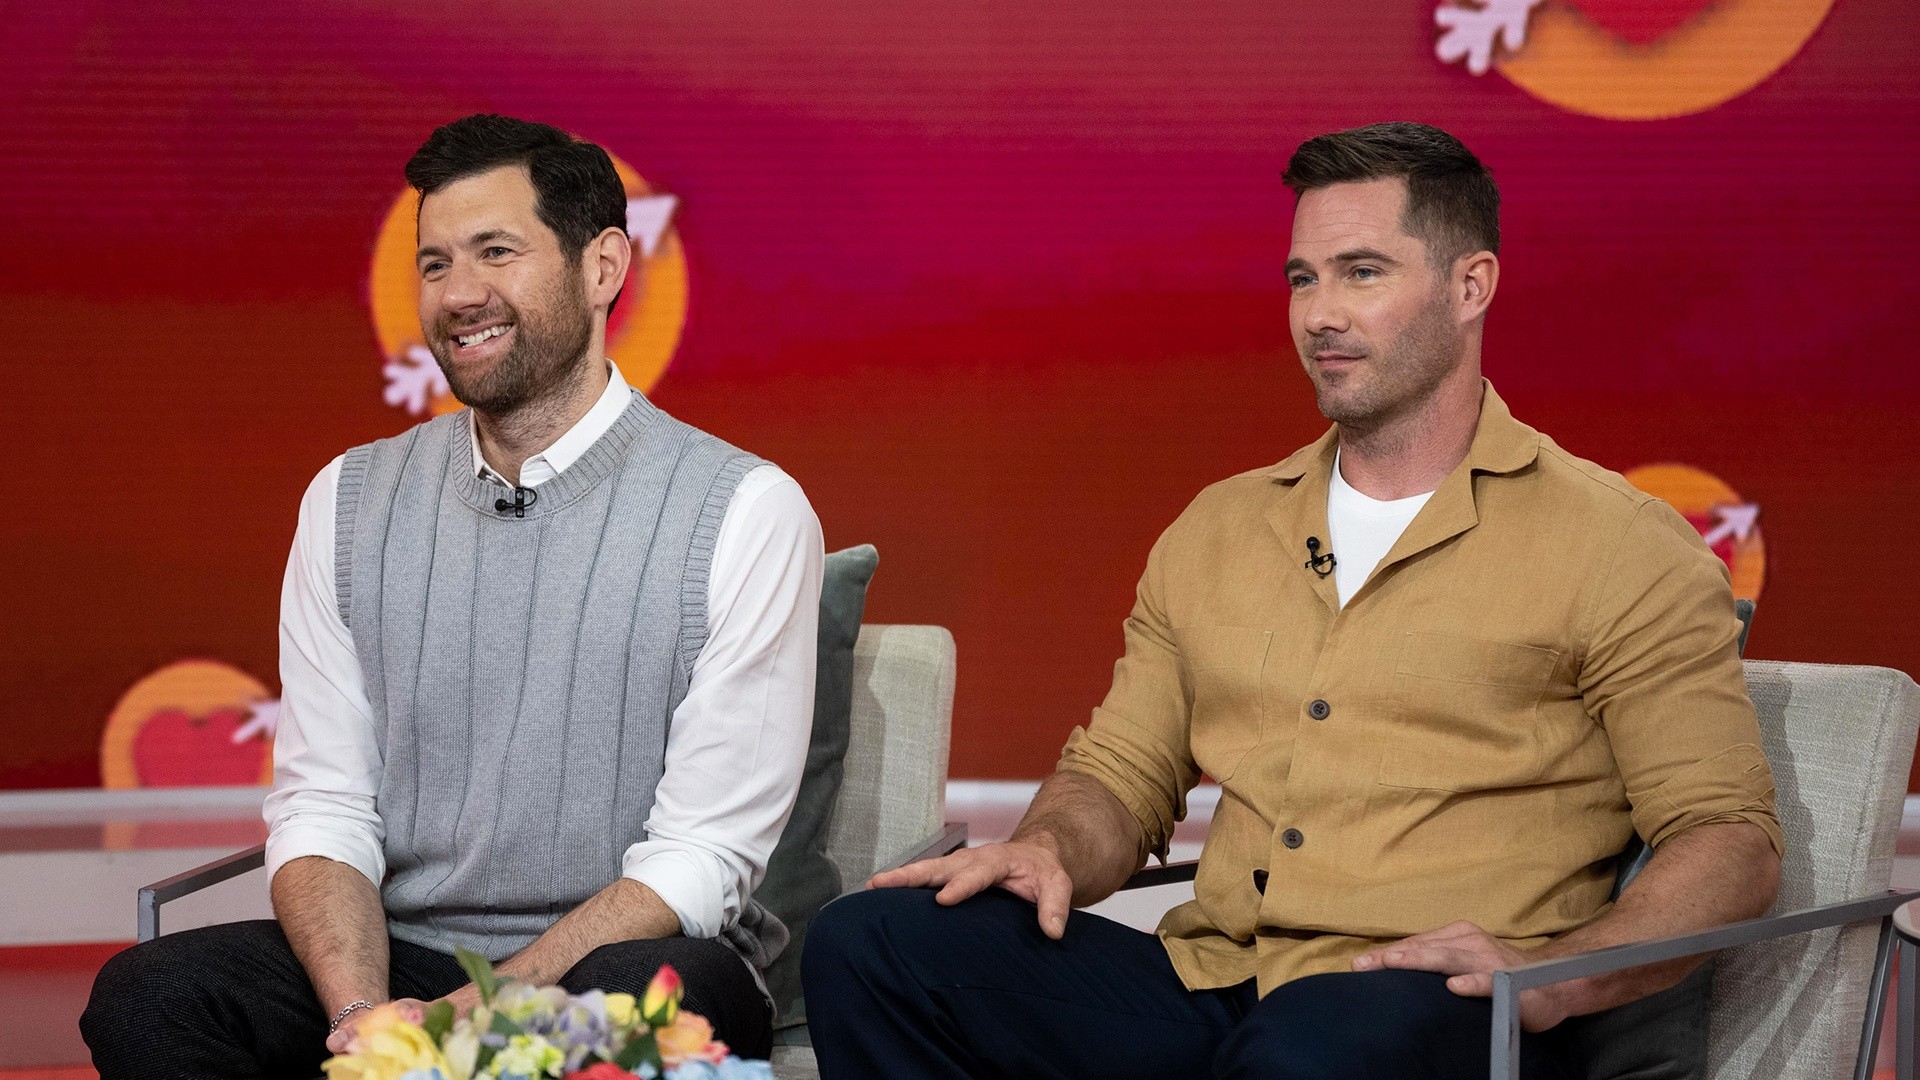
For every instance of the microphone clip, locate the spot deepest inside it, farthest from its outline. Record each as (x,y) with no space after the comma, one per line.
(1316,562)
(522,498)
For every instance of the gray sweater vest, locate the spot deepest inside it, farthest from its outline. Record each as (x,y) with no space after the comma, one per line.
(523,671)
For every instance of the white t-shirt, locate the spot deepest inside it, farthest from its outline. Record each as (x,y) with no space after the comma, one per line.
(1361,530)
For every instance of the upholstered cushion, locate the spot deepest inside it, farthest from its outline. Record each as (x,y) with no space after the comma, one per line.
(1662,1037)
(800,877)
(795,1062)
(1840,740)
(893,798)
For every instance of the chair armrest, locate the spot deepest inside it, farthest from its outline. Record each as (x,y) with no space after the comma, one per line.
(193,881)
(951,838)
(1766,928)
(1164,874)
(1508,984)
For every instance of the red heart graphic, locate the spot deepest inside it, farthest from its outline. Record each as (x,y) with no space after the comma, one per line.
(174,749)
(1641,22)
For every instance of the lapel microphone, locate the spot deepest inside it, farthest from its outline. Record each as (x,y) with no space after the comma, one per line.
(1318,563)
(525,497)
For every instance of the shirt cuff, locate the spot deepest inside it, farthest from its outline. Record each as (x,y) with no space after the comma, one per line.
(691,882)
(1732,785)
(1090,753)
(296,840)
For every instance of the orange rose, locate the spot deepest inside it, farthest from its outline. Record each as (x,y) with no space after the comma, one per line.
(688,1038)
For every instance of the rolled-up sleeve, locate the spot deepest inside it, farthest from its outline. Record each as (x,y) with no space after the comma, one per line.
(738,742)
(1663,677)
(1136,745)
(326,754)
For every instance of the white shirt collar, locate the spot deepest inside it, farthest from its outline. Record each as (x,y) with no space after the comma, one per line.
(566,449)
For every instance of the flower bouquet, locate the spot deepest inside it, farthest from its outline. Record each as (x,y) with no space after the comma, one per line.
(521,1032)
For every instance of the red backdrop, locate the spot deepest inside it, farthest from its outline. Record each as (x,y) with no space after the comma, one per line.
(1002,287)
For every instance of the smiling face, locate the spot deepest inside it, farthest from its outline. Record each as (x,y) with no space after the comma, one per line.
(503,309)
(1376,323)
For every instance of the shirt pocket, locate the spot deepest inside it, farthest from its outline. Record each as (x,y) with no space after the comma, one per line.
(1225,669)
(1464,713)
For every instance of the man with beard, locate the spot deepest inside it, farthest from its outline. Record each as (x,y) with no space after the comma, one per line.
(548,671)
(1442,671)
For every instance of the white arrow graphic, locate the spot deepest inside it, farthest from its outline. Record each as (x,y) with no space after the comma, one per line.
(1735,521)
(263,720)
(648,218)
(1473,33)
(413,380)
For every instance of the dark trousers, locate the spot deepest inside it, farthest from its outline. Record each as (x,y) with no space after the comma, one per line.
(233,1000)
(898,986)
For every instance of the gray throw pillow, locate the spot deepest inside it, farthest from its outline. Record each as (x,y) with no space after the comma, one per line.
(800,878)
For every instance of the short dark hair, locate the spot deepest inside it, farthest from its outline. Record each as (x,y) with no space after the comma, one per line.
(576,190)
(1452,204)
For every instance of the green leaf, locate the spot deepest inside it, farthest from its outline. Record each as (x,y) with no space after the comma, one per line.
(438,1021)
(480,970)
(504,1026)
(640,1049)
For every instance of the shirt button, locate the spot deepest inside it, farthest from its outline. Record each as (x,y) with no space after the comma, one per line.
(1292,838)
(1260,882)
(1319,710)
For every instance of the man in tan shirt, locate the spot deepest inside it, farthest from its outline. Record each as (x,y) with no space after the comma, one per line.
(1427,765)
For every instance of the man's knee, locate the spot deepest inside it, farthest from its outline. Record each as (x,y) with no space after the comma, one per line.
(847,930)
(716,983)
(129,979)
(161,995)
(862,929)
(626,967)
(154,976)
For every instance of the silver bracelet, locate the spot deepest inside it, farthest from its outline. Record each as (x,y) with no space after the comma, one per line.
(351,1008)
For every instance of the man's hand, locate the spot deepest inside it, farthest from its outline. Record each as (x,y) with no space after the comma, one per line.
(342,1037)
(1075,845)
(1030,870)
(1470,955)
(464,1000)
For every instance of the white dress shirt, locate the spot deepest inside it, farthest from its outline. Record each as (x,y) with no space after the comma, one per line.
(736,746)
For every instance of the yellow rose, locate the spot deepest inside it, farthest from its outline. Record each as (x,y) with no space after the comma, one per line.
(622,1010)
(383,1017)
(387,1054)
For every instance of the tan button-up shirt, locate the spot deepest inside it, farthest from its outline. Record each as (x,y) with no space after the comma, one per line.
(1541,666)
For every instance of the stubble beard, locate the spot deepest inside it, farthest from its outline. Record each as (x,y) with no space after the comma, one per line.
(1396,381)
(549,347)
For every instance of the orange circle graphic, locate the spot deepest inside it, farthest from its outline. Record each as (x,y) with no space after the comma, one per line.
(174,727)
(1728,523)
(1712,58)
(643,329)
